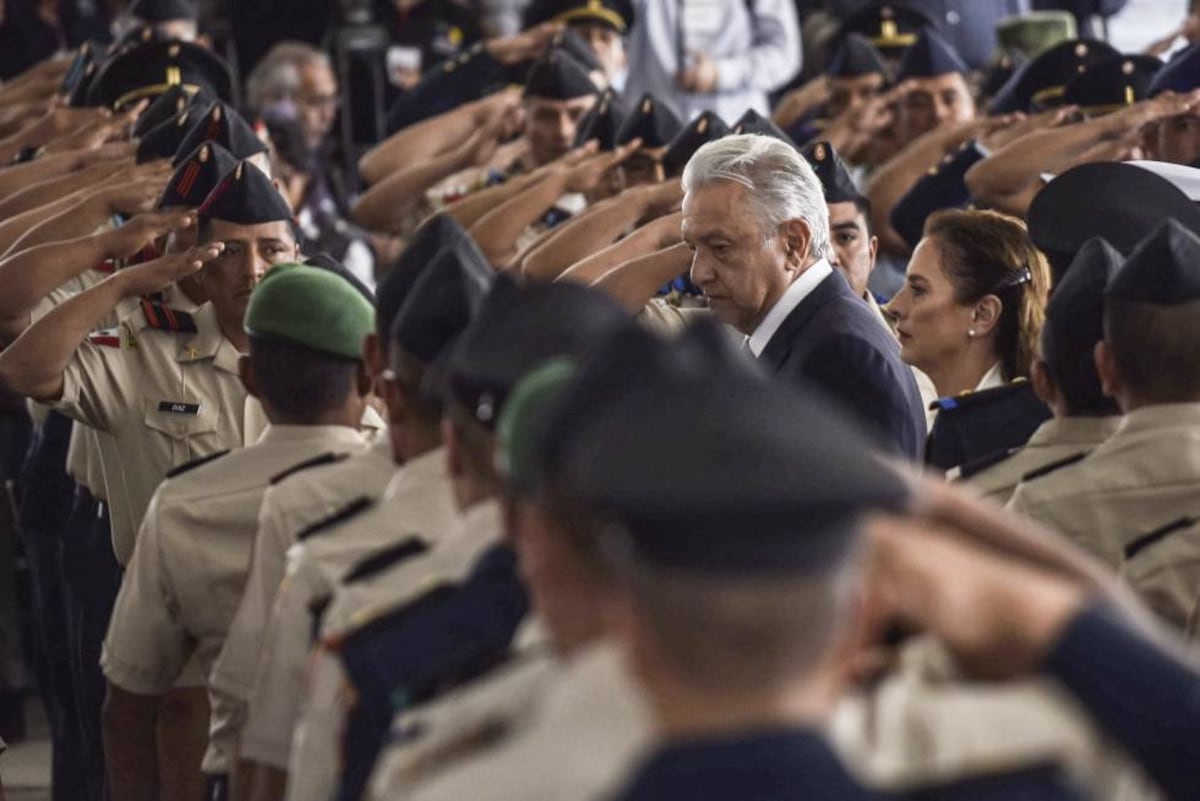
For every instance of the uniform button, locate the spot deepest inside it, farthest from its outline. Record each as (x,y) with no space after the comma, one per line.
(953,17)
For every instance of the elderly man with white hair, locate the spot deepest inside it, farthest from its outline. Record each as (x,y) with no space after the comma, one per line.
(755,218)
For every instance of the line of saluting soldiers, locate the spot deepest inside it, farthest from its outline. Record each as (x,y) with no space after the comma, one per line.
(478,533)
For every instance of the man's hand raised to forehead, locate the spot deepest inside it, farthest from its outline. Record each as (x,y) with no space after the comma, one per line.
(586,175)
(524,46)
(155,276)
(143,230)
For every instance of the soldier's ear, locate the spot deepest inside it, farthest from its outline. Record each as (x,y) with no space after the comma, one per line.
(248,376)
(1043,384)
(1106,367)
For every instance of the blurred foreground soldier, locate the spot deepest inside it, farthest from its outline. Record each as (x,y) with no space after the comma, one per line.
(722,56)
(1064,376)
(305,329)
(1145,475)
(801,318)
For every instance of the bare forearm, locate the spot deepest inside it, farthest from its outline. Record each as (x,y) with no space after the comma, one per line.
(384,206)
(417,143)
(33,365)
(642,242)
(470,209)
(32,274)
(497,232)
(635,282)
(130,750)
(19,176)
(14,230)
(1012,170)
(53,189)
(579,237)
(75,214)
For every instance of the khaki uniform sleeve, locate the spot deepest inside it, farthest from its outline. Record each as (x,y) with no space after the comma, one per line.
(316,754)
(100,387)
(147,645)
(668,319)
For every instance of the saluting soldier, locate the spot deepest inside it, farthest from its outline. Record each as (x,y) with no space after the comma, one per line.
(1146,474)
(305,328)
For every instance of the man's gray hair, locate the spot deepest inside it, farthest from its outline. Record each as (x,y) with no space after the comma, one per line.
(780,183)
(277,76)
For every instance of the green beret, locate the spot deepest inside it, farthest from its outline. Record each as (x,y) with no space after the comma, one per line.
(311,307)
(524,421)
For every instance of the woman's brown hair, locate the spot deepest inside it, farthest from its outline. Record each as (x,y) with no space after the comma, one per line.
(988,253)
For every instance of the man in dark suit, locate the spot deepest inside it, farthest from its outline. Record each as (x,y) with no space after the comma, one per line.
(755,217)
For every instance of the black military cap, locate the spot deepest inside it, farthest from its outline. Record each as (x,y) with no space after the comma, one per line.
(148,70)
(137,36)
(442,301)
(1075,316)
(519,328)
(1180,74)
(835,177)
(557,76)
(891,27)
(930,56)
(198,175)
(747,497)
(221,124)
(1119,202)
(1112,84)
(572,44)
(754,123)
(1001,72)
(602,122)
(327,262)
(651,121)
(856,56)
(708,127)
(169,105)
(1041,83)
(435,234)
(83,65)
(943,187)
(78,96)
(1164,269)
(246,196)
(164,140)
(163,10)
(617,14)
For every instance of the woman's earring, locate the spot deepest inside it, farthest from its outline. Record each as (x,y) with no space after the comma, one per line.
(971,333)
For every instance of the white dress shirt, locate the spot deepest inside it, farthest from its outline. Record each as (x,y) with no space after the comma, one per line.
(800,289)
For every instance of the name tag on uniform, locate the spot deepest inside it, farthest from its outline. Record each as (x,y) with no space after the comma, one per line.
(176,407)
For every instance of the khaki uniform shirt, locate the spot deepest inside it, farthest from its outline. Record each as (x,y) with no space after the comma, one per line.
(1144,476)
(313,766)
(419,498)
(923,725)
(1055,439)
(288,507)
(166,398)
(1163,567)
(589,729)
(189,567)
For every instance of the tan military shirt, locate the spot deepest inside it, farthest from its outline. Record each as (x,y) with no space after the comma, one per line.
(166,398)
(1144,476)
(1055,439)
(587,733)
(419,498)
(924,725)
(450,558)
(189,567)
(288,507)
(1163,567)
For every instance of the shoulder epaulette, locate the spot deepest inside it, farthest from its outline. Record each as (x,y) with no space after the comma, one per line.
(394,616)
(348,511)
(164,318)
(378,562)
(332,457)
(977,466)
(968,399)
(1047,469)
(1146,540)
(194,463)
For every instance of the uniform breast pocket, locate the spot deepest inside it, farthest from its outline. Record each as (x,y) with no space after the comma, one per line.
(187,428)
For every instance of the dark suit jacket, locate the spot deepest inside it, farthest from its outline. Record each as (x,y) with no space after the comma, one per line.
(833,341)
